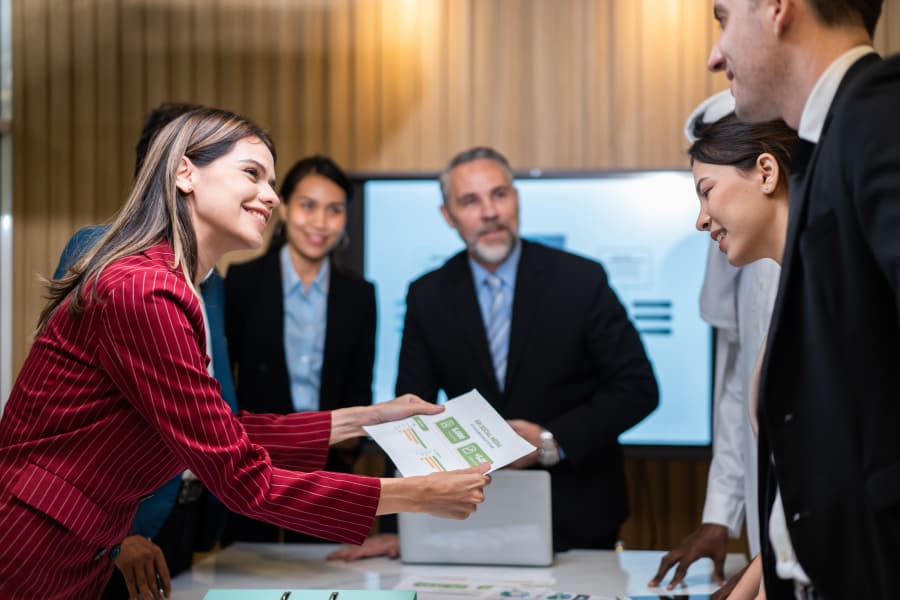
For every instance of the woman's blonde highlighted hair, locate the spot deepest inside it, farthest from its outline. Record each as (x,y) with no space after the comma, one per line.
(156,209)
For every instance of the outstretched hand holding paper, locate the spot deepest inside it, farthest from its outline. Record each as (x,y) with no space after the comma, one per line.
(469,432)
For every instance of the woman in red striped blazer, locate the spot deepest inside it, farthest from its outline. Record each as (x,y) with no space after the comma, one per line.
(115,398)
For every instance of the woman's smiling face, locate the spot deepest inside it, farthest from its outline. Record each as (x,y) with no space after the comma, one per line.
(315,216)
(232,198)
(737,210)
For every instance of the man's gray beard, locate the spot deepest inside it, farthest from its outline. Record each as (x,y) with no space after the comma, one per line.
(493,254)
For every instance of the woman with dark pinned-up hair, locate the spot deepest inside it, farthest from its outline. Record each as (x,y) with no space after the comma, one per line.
(741,173)
(115,398)
(741,177)
(313,346)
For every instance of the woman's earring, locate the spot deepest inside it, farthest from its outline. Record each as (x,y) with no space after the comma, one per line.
(344,241)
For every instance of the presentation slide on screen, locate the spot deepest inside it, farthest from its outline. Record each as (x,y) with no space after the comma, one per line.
(640,226)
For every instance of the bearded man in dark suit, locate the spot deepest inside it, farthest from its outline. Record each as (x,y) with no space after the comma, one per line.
(542,336)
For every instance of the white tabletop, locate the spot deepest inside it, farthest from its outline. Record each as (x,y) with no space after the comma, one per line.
(298,566)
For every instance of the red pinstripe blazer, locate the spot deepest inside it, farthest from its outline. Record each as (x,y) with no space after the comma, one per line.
(112,404)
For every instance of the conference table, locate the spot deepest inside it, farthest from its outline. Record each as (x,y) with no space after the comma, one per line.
(598,573)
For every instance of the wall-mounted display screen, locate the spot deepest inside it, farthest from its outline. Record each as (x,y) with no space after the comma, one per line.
(640,226)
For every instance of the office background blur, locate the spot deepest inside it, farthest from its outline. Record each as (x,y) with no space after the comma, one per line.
(380,85)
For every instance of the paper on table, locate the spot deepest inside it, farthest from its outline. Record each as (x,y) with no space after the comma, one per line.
(275,594)
(469,432)
(465,588)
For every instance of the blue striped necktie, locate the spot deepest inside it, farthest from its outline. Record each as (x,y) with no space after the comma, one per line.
(498,327)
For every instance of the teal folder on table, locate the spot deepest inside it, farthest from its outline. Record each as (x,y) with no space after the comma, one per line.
(280,594)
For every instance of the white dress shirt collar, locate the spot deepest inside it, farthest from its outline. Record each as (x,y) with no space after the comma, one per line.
(819,101)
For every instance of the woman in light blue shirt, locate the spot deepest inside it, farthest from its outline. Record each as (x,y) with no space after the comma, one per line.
(301,330)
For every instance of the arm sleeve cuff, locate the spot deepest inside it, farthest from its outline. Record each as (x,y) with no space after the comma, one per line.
(724,509)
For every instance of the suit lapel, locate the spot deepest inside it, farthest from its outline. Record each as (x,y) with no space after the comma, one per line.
(802,168)
(526,301)
(802,172)
(468,315)
(335,316)
(272,295)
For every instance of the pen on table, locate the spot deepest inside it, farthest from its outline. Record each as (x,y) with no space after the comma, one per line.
(160,586)
(333,596)
(285,596)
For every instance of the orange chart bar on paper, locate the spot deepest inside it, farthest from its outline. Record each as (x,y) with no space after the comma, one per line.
(413,437)
(434,463)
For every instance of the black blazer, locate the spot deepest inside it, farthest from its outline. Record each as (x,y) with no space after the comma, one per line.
(254,325)
(830,387)
(576,366)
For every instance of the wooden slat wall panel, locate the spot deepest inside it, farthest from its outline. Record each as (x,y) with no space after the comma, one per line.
(231,53)
(887,34)
(657,33)
(204,35)
(31,133)
(61,195)
(260,79)
(557,117)
(380,85)
(132,78)
(311,64)
(339,84)
(456,71)
(289,102)
(157,47)
(503,53)
(399,109)
(431,136)
(366,75)
(180,58)
(624,79)
(599,92)
(84,112)
(112,166)
(692,49)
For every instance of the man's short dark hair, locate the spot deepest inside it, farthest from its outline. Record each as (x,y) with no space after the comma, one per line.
(467,156)
(840,12)
(158,118)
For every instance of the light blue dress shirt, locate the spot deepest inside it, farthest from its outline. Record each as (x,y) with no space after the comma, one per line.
(305,314)
(507,274)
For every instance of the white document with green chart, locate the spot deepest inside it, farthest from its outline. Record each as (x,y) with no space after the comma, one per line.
(469,432)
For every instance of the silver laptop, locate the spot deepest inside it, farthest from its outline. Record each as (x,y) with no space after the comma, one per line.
(513,526)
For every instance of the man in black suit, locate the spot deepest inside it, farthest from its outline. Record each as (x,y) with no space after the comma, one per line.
(550,347)
(829,412)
